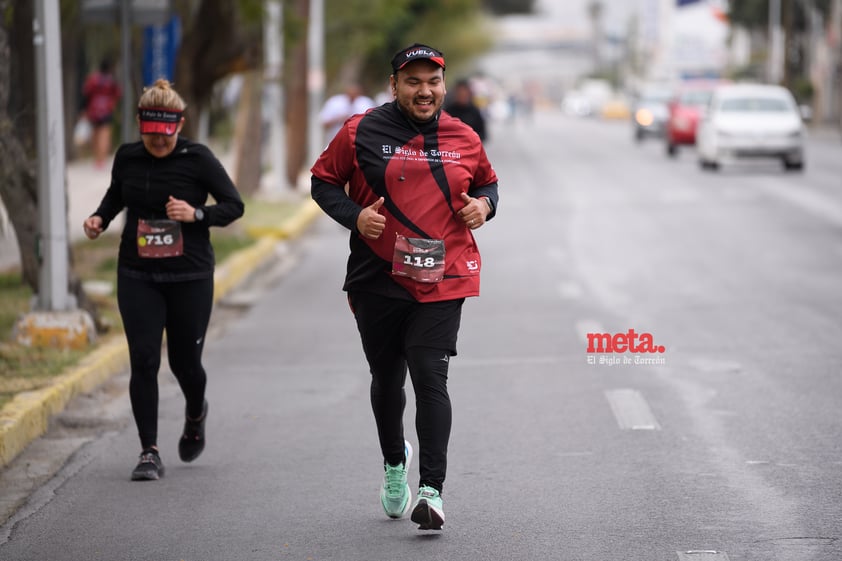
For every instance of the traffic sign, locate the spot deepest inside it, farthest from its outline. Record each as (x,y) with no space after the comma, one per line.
(143,12)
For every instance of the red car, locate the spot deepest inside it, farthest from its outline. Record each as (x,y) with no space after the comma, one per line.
(684,111)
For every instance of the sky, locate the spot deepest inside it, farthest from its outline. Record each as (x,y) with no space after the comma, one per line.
(531,48)
(573,14)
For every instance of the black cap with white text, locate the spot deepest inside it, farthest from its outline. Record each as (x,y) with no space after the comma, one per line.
(417,51)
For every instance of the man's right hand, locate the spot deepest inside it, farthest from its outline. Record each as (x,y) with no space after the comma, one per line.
(370,223)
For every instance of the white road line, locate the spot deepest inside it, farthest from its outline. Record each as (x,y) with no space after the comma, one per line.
(817,205)
(631,410)
(702,555)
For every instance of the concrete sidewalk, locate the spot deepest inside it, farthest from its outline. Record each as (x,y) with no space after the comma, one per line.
(27,416)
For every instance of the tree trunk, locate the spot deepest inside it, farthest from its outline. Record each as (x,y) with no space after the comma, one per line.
(18,180)
(296,101)
(248,136)
(71,38)
(18,189)
(212,48)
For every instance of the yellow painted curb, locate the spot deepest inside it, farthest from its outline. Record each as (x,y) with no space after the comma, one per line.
(27,416)
(291,228)
(238,266)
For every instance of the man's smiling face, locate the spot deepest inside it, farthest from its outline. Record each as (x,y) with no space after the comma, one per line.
(419,89)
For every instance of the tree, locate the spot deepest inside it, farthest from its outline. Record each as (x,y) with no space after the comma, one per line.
(754,14)
(18,144)
(503,7)
(220,38)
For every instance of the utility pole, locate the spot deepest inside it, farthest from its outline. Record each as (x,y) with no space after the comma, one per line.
(775,58)
(273,46)
(53,279)
(833,97)
(55,320)
(315,80)
(595,11)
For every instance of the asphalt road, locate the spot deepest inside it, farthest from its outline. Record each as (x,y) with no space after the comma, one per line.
(727,447)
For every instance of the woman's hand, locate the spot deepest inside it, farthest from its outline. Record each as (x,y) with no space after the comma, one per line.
(93,227)
(180,210)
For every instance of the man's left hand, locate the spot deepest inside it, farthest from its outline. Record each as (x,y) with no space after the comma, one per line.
(475,211)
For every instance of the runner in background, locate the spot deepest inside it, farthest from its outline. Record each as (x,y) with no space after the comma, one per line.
(101,92)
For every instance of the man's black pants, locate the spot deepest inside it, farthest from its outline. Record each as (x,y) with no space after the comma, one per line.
(402,334)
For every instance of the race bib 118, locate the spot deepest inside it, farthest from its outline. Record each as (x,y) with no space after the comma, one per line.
(419,259)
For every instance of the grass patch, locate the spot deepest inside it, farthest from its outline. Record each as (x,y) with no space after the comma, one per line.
(266,214)
(15,299)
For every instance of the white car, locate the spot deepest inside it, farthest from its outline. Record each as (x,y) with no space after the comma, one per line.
(751,121)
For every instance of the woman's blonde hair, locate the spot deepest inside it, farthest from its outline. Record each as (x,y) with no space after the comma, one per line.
(161,95)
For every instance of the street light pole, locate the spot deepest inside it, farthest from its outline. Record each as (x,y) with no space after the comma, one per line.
(53,276)
(315,80)
(273,46)
(775,46)
(126,53)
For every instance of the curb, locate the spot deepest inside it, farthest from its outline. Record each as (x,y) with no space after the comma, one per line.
(27,416)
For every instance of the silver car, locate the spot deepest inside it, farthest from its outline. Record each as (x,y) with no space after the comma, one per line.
(751,121)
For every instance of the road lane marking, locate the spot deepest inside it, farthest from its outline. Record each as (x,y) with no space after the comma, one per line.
(809,201)
(631,410)
(702,555)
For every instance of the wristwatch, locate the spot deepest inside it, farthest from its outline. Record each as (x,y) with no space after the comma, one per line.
(199,214)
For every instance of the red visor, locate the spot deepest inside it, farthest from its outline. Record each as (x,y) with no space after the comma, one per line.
(158,121)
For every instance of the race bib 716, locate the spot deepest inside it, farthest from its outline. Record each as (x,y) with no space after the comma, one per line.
(159,238)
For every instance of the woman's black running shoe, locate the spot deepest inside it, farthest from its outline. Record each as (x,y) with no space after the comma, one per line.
(192,442)
(150,466)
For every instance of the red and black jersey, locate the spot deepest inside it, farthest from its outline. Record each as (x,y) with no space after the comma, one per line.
(420,169)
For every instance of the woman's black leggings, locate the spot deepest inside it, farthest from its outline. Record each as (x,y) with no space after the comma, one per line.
(148,308)
(400,335)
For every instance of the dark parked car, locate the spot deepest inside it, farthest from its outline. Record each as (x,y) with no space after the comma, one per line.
(649,114)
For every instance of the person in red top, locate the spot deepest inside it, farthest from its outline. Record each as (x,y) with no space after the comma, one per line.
(101,92)
(419,182)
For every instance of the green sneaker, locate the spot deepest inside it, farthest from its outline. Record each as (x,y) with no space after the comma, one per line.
(395,494)
(428,512)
